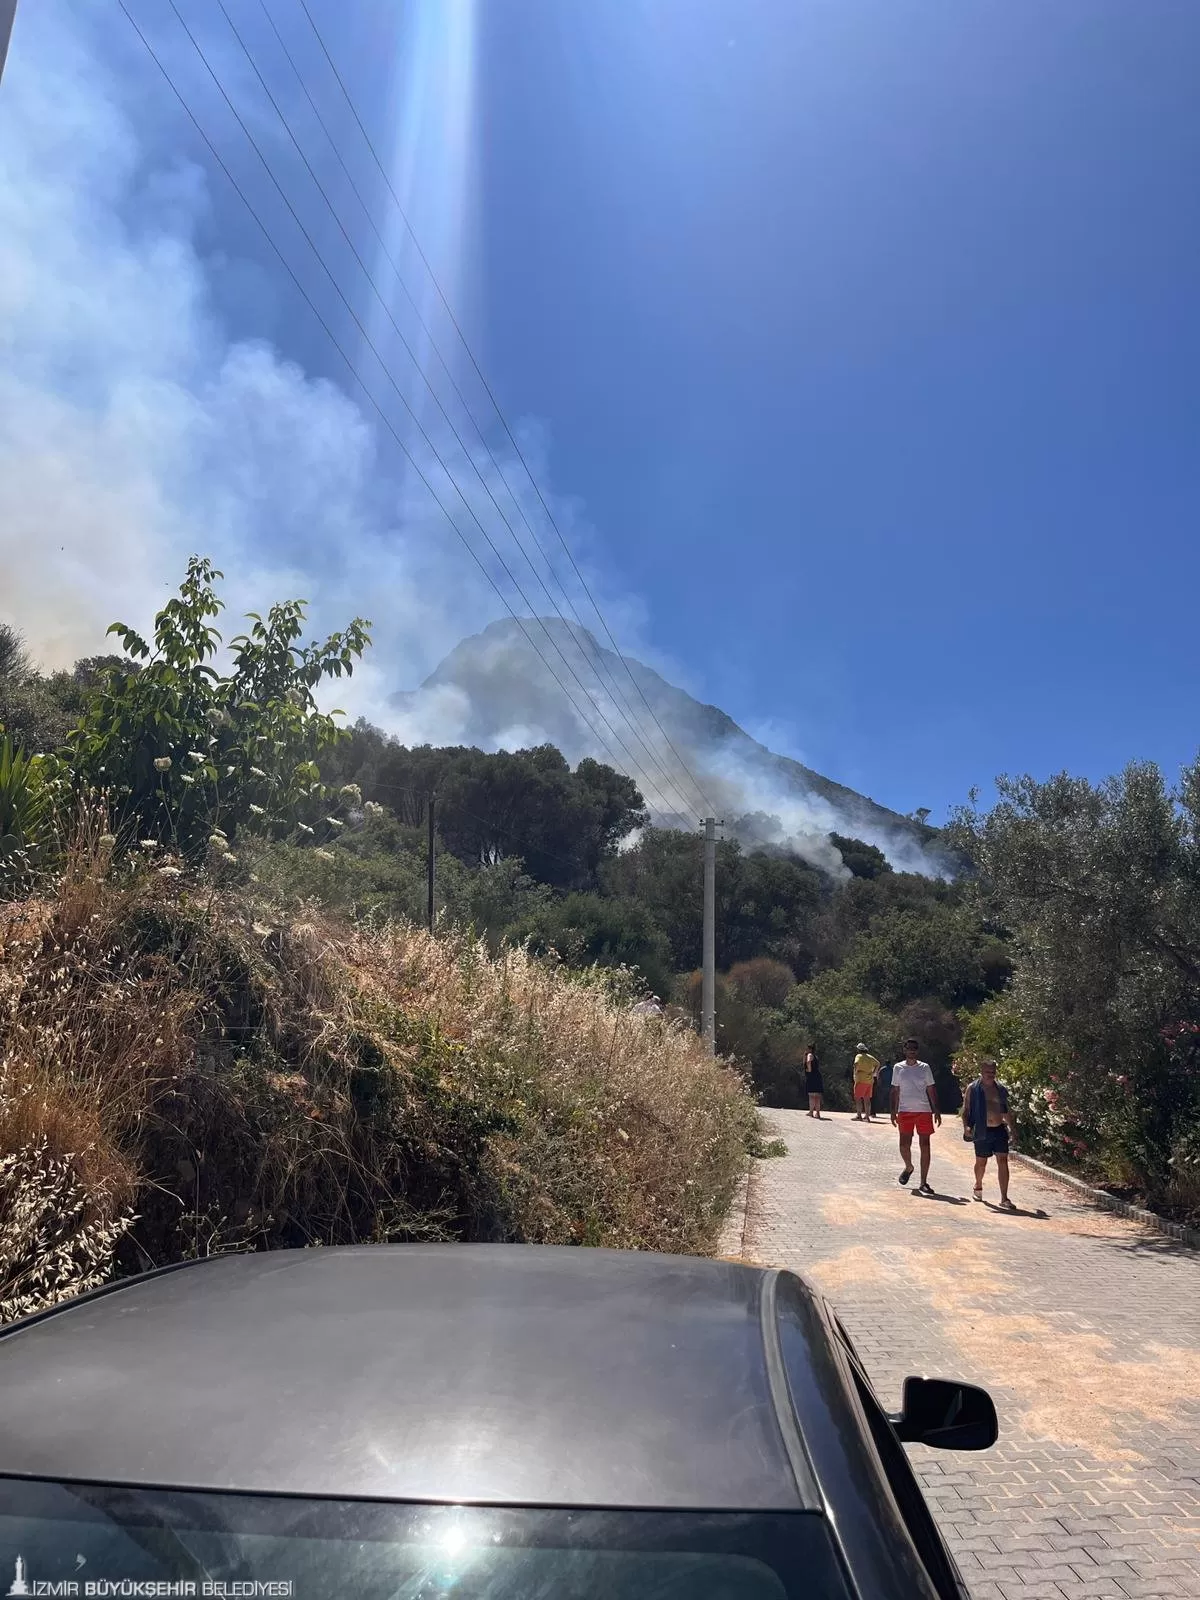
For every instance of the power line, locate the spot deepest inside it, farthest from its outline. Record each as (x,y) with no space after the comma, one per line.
(383,365)
(355,374)
(496,406)
(604,676)
(391,379)
(472,464)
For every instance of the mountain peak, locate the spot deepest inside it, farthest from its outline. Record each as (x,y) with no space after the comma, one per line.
(543,680)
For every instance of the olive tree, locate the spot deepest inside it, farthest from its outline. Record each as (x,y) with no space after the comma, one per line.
(1100,887)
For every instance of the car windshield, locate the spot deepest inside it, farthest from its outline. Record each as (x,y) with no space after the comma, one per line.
(90,1540)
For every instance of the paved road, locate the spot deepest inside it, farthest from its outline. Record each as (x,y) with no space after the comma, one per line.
(1085,1326)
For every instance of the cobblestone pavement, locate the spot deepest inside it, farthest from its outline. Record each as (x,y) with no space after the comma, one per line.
(1084,1326)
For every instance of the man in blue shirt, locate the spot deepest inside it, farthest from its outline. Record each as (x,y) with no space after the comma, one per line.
(988,1120)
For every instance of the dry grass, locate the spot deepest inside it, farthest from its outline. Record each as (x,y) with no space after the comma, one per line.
(239,1077)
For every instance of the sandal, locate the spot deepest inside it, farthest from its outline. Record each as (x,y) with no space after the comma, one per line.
(905,1175)
(1006,1205)
(976,1194)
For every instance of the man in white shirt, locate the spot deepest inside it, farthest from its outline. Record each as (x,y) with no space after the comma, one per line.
(914,1110)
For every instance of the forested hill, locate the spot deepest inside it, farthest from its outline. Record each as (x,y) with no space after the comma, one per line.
(533,849)
(1070,949)
(495,690)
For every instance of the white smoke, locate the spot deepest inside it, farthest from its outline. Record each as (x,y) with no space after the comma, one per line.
(134,430)
(498,691)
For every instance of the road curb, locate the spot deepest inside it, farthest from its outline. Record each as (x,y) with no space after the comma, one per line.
(1110,1202)
(732,1244)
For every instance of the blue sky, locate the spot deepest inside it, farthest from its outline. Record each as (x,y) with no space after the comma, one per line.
(857,342)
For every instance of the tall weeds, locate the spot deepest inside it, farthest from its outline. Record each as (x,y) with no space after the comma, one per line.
(189,1070)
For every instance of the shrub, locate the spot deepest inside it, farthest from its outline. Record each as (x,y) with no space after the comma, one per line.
(762,982)
(28,820)
(996,1032)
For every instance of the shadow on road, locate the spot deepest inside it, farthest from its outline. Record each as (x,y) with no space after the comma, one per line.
(946,1199)
(1150,1244)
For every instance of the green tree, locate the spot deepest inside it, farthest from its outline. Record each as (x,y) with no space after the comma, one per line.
(588,928)
(524,804)
(30,711)
(767,902)
(182,749)
(1100,886)
(863,860)
(907,955)
(828,1013)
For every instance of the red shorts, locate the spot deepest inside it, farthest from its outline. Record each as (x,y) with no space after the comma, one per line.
(863,1091)
(918,1122)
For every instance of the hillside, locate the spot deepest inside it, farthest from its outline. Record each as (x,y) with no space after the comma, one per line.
(494,691)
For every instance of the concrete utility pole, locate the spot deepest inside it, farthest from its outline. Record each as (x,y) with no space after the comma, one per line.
(8,10)
(431,869)
(708,988)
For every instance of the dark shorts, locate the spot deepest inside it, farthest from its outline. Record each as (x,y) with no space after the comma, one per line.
(992,1142)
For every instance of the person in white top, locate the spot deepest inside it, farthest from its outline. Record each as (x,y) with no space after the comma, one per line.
(914,1110)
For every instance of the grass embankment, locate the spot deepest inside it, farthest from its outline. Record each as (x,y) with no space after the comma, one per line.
(184,1070)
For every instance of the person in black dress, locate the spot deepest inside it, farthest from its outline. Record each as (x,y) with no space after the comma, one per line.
(814,1087)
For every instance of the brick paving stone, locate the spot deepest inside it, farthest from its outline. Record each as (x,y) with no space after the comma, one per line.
(1156,1589)
(1083,1325)
(1089,1589)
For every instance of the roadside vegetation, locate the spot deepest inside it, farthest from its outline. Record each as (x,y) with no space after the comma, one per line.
(199,1052)
(1099,1029)
(222,1023)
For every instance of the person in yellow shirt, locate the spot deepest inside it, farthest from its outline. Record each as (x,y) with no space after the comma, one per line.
(866,1070)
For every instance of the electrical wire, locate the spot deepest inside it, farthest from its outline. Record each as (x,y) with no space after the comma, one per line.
(357,376)
(391,379)
(604,677)
(496,406)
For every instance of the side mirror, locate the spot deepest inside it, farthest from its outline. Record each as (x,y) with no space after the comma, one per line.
(948,1416)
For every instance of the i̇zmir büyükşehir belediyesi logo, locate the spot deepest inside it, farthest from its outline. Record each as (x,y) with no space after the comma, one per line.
(20,1583)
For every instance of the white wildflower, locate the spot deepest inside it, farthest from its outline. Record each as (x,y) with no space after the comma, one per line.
(162,763)
(197,756)
(373,810)
(256,811)
(325,855)
(334,822)
(303,827)
(169,872)
(257,772)
(352,793)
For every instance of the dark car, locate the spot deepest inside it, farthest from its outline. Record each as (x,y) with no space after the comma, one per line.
(488,1422)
